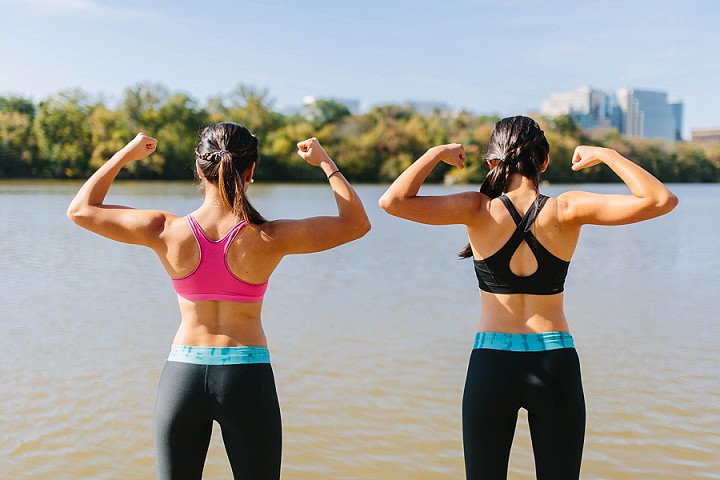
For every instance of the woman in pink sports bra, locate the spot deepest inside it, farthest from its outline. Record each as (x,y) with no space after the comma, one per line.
(219,258)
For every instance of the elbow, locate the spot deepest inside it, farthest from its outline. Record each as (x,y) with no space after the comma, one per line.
(667,203)
(388,203)
(366,227)
(73,213)
(361,228)
(77,214)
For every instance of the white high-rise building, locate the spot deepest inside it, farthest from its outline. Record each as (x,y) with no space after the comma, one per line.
(589,107)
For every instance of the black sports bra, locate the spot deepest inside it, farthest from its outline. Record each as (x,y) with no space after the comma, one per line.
(494,274)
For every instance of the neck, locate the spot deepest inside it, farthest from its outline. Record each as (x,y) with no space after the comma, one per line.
(212,195)
(521,184)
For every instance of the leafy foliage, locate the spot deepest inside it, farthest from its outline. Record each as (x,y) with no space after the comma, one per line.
(70,135)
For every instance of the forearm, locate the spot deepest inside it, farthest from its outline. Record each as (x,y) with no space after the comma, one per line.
(95,189)
(408,184)
(351,219)
(641,183)
(349,205)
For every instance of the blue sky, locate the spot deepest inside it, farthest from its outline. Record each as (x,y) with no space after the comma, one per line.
(498,56)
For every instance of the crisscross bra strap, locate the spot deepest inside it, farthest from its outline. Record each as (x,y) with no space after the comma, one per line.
(529,219)
(524,224)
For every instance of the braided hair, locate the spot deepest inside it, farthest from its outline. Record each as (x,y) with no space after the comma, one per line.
(517,145)
(225,152)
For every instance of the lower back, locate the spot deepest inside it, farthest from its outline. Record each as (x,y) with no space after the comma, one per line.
(522,313)
(220,324)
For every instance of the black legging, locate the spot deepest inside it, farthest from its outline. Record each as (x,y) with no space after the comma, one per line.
(241,398)
(548,385)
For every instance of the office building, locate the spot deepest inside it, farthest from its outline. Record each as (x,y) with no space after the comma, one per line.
(589,107)
(676,105)
(649,114)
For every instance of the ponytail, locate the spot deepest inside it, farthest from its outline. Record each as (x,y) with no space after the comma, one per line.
(494,184)
(231,187)
(224,155)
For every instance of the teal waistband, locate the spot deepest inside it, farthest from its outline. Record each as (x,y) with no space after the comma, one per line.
(521,342)
(218,355)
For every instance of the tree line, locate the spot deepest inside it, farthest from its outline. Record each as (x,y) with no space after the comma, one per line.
(70,134)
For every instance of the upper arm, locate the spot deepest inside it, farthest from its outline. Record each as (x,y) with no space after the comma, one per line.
(456,209)
(609,209)
(310,235)
(123,224)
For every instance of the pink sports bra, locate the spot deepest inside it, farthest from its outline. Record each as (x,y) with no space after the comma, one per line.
(212,278)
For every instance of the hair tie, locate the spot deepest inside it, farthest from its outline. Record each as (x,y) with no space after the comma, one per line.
(222,152)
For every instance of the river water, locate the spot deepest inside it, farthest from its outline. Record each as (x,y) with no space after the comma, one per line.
(369,342)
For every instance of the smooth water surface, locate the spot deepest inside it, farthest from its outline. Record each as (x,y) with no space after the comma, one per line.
(369,342)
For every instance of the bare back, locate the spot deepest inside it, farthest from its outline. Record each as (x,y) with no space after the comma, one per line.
(556,228)
(251,258)
(230,318)
(519,312)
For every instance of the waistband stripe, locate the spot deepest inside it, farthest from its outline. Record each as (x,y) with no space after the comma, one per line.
(521,342)
(218,355)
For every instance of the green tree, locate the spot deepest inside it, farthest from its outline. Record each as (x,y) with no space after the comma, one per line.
(63,135)
(252,108)
(322,112)
(141,105)
(693,165)
(657,157)
(140,112)
(565,125)
(279,160)
(67,135)
(181,119)
(108,134)
(17,142)
(248,106)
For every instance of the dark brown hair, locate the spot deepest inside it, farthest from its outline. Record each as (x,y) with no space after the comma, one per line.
(225,153)
(518,145)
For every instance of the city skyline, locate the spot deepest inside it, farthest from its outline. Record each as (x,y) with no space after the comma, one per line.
(485,57)
(635,113)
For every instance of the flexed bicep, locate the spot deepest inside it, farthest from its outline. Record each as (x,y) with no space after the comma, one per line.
(588,208)
(649,198)
(313,234)
(124,224)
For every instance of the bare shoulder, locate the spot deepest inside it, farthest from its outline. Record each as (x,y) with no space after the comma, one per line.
(170,219)
(473,201)
(570,203)
(273,234)
(571,196)
(476,199)
(273,230)
(167,225)
(167,221)
(477,207)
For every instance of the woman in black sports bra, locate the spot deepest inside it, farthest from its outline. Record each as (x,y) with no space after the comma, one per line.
(522,243)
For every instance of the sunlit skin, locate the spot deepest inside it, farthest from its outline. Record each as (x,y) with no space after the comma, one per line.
(253,256)
(557,227)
